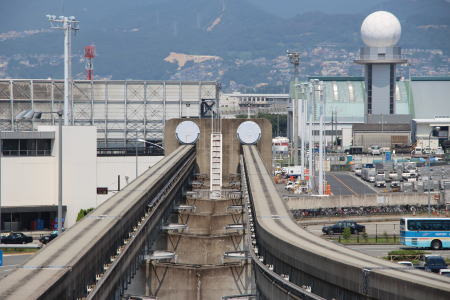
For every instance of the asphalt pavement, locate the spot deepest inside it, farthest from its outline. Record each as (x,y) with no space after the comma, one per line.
(347,185)
(11,261)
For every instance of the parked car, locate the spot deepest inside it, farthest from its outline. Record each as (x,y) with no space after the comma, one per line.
(16,238)
(445,272)
(434,263)
(341,225)
(49,237)
(374,150)
(406,263)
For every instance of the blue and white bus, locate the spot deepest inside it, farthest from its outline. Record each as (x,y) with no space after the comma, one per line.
(431,233)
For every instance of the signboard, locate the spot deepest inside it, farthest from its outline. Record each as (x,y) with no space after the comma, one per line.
(102,191)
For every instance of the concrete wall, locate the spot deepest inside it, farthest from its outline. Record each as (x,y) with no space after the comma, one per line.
(380,88)
(347,138)
(383,139)
(28,181)
(391,199)
(79,166)
(231,145)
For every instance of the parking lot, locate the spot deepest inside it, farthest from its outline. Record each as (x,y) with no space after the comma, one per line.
(402,175)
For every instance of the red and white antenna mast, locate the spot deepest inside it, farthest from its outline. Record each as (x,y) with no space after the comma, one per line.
(89,54)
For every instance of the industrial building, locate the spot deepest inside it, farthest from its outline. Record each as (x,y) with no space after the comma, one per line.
(422,99)
(122,111)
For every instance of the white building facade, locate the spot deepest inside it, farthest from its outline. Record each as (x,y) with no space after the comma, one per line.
(30,176)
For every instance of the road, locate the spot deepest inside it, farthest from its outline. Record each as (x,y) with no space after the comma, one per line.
(372,228)
(10,261)
(347,185)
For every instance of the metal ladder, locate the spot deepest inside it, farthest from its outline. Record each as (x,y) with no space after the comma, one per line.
(216,162)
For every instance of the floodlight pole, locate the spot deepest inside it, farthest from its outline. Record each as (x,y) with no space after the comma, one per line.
(67,61)
(322,112)
(68,24)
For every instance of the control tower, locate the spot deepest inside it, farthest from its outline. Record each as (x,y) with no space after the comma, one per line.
(380,32)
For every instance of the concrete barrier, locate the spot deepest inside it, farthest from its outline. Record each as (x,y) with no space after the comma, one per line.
(388,199)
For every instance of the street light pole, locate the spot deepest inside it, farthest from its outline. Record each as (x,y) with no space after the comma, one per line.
(429,168)
(60,182)
(1,154)
(136,159)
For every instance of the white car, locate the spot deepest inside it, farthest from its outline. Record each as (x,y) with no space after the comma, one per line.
(375,150)
(445,272)
(406,263)
(289,186)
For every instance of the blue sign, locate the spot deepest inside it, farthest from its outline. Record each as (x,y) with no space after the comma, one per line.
(1,258)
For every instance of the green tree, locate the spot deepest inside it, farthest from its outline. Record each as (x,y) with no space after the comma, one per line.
(346,233)
(83,212)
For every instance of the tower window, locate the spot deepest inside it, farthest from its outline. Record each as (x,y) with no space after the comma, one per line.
(369,89)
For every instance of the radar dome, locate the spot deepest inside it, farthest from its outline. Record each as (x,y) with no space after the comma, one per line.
(381,29)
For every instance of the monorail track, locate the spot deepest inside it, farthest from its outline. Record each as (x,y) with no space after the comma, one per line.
(332,270)
(74,264)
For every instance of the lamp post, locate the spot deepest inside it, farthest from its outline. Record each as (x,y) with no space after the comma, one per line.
(437,128)
(30,115)
(147,142)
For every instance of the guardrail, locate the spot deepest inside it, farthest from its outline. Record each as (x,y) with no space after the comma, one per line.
(20,246)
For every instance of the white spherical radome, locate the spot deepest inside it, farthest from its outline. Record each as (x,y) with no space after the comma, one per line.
(381,29)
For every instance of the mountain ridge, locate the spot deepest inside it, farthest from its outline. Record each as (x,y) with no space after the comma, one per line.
(133,40)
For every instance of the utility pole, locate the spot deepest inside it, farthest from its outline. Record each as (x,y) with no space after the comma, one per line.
(68,24)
